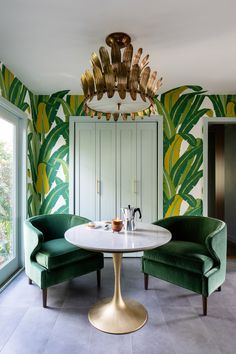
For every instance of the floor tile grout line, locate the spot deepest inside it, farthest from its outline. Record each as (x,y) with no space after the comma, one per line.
(59,312)
(90,338)
(207,333)
(27,309)
(168,329)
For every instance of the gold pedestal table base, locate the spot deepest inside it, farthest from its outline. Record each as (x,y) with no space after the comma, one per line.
(116,315)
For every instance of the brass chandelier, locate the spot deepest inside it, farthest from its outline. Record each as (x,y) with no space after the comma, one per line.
(121,84)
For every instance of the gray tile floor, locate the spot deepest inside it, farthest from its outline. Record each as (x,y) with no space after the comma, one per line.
(175,323)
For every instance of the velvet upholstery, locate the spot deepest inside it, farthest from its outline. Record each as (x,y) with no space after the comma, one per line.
(185,255)
(195,257)
(49,258)
(59,252)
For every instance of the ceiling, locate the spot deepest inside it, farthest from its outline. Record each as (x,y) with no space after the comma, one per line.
(48,43)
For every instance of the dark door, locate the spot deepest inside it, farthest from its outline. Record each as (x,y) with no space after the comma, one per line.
(221,178)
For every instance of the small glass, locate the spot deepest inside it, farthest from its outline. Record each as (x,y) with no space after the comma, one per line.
(116,225)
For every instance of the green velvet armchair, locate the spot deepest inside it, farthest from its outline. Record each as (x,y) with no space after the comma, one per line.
(49,258)
(194,259)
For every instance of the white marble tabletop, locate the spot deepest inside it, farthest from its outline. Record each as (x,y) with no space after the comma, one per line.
(146,236)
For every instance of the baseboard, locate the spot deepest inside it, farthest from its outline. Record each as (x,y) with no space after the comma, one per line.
(9,280)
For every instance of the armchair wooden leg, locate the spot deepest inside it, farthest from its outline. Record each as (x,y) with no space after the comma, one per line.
(146,281)
(44,295)
(204,305)
(99,278)
(30,281)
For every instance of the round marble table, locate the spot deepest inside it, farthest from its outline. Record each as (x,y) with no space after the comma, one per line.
(117,315)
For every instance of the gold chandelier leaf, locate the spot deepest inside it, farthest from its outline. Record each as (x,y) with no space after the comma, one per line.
(99,115)
(144,62)
(152,102)
(108,116)
(137,56)
(151,81)
(127,56)
(133,81)
(99,81)
(115,56)
(116,116)
(147,112)
(87,110)
(90,81)
(156,86)
(152,109)
(109,80)
(143,82)
(84,85)
(104,55)
(122,80)
(140,114)
(83,110)
(95,61)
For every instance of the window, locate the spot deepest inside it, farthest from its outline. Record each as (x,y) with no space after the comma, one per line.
(12,171)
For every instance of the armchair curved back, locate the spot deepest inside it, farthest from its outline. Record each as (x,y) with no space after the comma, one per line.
(195,258)
(55,225)
(191,228)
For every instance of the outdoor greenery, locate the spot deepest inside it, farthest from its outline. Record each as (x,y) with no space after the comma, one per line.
(5,202)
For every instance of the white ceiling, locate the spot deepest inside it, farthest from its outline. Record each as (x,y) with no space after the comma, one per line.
(48,43)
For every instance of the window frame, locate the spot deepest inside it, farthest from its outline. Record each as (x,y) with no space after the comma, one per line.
(12,113)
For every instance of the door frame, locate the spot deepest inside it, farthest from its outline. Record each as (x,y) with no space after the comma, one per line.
(206,122)
(87,119)
(21,142)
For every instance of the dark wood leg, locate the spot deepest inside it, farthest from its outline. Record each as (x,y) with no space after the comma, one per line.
(30,281)
(204,305)
(145,281)
(44,294)
(219,289)
(99,278)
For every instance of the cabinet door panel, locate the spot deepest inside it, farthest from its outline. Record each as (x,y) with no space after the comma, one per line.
(105,171)
(147,170)
(126,165)
(85,188)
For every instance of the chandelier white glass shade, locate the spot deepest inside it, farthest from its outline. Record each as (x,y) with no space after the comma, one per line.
(120,83)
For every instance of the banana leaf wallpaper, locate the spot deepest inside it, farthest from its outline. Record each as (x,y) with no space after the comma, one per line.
(182,108)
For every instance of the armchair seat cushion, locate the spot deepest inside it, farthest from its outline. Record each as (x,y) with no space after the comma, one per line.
(59,252)
(190,256)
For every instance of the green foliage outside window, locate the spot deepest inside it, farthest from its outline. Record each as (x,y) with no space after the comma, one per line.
(5,202)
